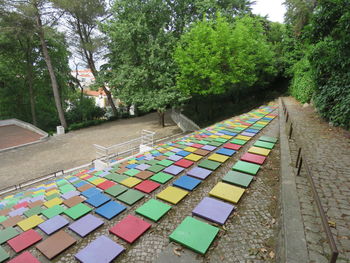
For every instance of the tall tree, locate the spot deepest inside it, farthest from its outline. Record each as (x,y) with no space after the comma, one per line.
(83,17)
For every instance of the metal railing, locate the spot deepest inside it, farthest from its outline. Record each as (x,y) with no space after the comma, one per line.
(301,160)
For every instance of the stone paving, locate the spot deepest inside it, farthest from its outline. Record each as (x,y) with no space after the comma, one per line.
(13,135)
(327,150)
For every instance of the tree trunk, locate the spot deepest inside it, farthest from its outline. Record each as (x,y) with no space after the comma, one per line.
(51,71)
(161,115)
(31,94)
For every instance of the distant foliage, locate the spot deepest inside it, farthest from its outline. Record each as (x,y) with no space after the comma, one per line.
(83,109)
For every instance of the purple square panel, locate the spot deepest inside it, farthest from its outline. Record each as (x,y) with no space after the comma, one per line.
(208,148)
(86,225)
(199,172)
(53,224)
(249,134)
(142,167)
(18,212)
(70,194)
(174,157)
(102,250)
(173,169)
(213,210)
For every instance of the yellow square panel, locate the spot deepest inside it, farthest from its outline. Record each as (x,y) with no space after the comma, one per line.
(53,202)
(30,222)
(56,191)
(193,157)
(241,137)
(190,149)
(170,148)
(227,192)
(98,181)
(226,137)
(52,184)
(218,158)
(260,151)
(172,194)
(162,150)
(262,122)
(8,197)
(214,136)
(84,175)
(39,191)
(130,182)
(132,161)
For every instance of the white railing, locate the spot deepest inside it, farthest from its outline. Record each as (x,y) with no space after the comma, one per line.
(106,154)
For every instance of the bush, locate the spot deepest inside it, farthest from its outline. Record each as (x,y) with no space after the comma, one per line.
(80,125)
(302,85)
(84,109)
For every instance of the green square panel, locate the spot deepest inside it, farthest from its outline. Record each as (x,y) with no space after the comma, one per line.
(161,177)
(214,143)
(117,177)
(204,142)
(53,211)
(262,144)
(153,209)
(256,127)
(246,167)
(130,197)
(238,141)
(208,164)
(237,178)
(7,234)
(194,234)
(155,168)
(165,163)
(67,188)
(62,182)
(152,162)
(77,211)
(222,140)
(33,211)
(169,154)
(268,139)
(131,172)
(49,197)
(92,178)
(3,255)
(116,190)
(3,218)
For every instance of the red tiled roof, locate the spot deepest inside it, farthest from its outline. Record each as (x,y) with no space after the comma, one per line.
(95,93)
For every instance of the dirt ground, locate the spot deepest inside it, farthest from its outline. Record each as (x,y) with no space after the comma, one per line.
(74,148)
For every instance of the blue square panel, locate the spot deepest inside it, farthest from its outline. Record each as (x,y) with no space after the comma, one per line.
(81,183)
(131,166)
(187,182)
(110,210)
(91,192)
(183,153)
(225,151)
(98,200)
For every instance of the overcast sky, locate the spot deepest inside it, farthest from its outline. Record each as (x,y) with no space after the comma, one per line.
(272,8)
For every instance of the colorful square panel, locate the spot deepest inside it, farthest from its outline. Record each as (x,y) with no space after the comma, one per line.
(174,158)
(130,197)
(106,184)
(262,144)
(54,224)
(56,244)
(53,211)
(30,222)
(199,173)
(3,255)
(202,152)
(153,209)
(86,225)
(155,168)
(239,142)
(194,234)
(130,228)
(73,201)
(131,182)
(25,257)
(131,172)
(268,139)
(213,210)
(183,153)
(116,190)
(117,177)
(24,240)
(237,178)
(102,249)
(172,194)
(184,163)
(147,186)
(53,202)
(253,158)
(142,167)
(7,234)
(161,177)
(174,169)
(208,164)
(98,200)
(165,162)
(144,175)
(91,192)
(193,157)
(218,158)
(246,167)
(227,192)
(12,221)
(77,211)
(110,210)
(260,151)
(241,137)
(225,151)
(187,182)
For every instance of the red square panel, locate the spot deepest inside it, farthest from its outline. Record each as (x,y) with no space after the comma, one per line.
(25,257)
(184,163)
(23,204)
(147,186)
(87,177)
(106,184)
(24,240)
(232,146)
(253,158)
(130,228)
(197,145)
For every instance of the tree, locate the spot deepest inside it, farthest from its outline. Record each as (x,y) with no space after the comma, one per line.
(214,56)
(83,19)
(32,10)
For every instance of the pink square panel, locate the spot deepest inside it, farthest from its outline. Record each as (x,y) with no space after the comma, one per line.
(147,186)
(253,158)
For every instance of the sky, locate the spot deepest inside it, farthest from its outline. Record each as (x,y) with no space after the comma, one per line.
(272,8)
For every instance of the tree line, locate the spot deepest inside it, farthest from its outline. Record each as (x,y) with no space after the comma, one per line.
(157,54)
